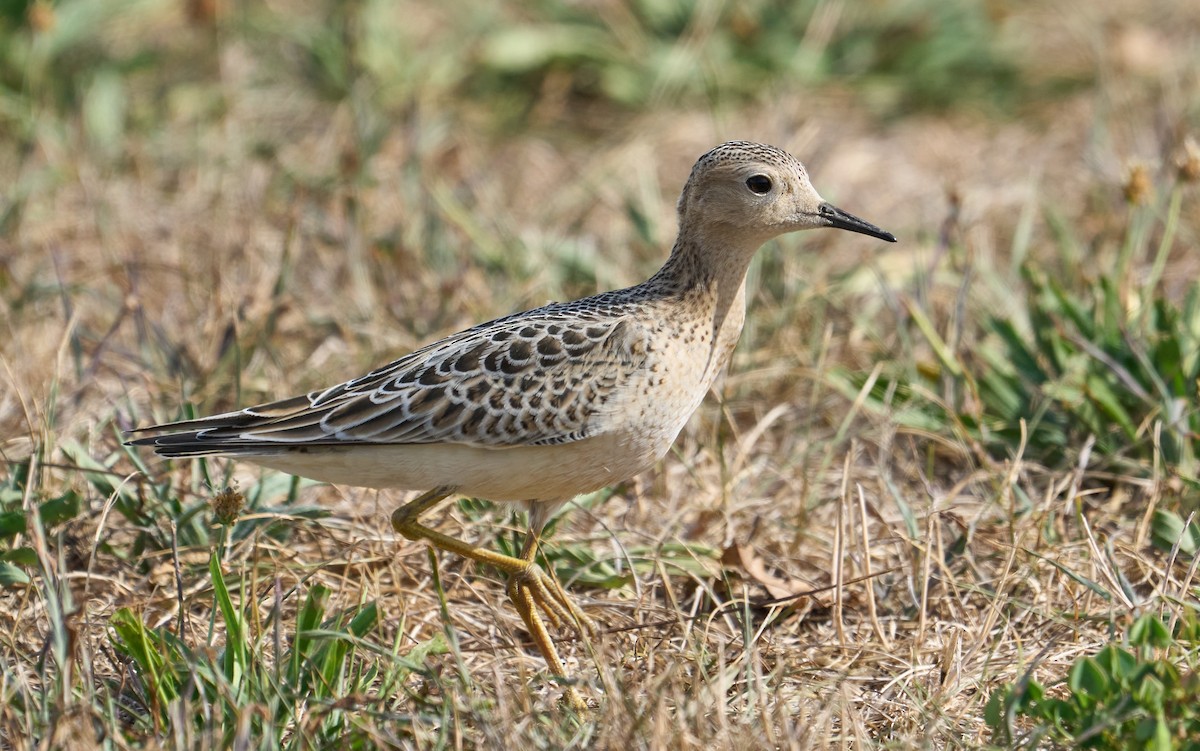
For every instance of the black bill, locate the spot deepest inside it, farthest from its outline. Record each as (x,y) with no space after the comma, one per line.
(835,217)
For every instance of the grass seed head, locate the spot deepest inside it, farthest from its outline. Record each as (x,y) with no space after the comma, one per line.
(1138,187)
(40,16)
(227,505)
(1189,161)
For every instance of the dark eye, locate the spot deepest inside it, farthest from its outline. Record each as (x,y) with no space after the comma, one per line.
(760,184)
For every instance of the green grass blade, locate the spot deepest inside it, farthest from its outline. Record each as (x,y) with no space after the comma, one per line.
(235,659)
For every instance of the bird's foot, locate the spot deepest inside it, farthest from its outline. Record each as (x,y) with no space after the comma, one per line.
(533,587)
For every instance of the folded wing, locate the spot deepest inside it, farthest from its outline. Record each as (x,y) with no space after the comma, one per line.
(539,378)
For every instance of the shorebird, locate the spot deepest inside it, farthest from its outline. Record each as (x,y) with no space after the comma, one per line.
(544,405)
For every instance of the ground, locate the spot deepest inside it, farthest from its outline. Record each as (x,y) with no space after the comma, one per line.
(208,206)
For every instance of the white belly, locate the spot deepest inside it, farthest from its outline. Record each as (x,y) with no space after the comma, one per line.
(520,473)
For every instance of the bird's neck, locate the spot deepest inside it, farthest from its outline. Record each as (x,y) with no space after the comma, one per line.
(705,280)
(713,260)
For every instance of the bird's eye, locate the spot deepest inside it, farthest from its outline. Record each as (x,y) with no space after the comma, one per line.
(760,184)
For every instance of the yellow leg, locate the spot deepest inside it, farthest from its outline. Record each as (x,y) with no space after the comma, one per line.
(529,587)
(576,617)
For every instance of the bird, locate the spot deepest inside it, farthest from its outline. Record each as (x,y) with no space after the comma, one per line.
(544,405)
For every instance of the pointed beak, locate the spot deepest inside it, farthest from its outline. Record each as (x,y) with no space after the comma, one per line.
(835,217)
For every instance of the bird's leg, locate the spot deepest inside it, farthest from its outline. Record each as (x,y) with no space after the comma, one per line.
(530,588)
(546,592)
(577,618)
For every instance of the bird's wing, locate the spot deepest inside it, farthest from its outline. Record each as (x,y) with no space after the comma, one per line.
(537,378)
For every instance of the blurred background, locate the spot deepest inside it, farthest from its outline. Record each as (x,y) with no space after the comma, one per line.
(206,204)
(429,166)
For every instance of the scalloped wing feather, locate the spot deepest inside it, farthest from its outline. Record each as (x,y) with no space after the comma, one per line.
(542,377)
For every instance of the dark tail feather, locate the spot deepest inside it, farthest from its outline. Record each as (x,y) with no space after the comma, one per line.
(195,443)
(226,433)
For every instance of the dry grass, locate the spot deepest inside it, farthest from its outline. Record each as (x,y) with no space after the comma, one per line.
(249,239)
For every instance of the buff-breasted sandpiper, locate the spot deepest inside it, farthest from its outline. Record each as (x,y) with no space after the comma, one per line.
(541,406)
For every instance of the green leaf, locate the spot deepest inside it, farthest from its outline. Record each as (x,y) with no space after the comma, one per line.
(1110,404)
(102,481)
(10,575)
(22,556)
(58,510)
(12,523)
(1064,713)
(1017,352)
(1117,662)
(945,354)
(365,620)
(1149,693)
(1079,578)
(1168,359)
(308,620)
(1072,308)
(104,107)
(520,49)
(997,706)
(332,659)
(1167,528)
(1159,735)
(1149,631)
(1187,628)
(1034,693)
(1089,678)
(146,650)
(236,656)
